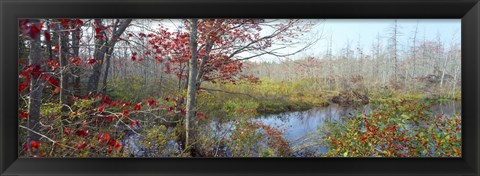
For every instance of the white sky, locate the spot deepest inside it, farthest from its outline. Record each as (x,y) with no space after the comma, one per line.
(363,32)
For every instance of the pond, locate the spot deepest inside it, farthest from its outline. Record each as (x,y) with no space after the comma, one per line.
(297,126)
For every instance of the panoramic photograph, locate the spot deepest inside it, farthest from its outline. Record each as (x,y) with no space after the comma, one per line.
(230,88)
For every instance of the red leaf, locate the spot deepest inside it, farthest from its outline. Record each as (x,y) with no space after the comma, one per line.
(25,148)
(77,61)
(112,142)
(104,137)
(47,36)
(56,90)
(134,123)
(101,109)
(106,99)
(22,87)
(137,106)
(53,64)
(56,48)
(91,61)
(118,146)
(65,22)
(125,112)
(23,115)
(159,59)
(78,22)
(66,131)
(81,133)
(134,58)
(152,102)
(35,144)
(53,81)
(34,31)
(81,145)
(97,30)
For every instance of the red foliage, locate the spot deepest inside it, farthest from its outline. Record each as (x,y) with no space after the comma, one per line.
(134,123)
(23,114)
(52,80)
(137,106)
(152,102)
(101,109)
(35,144)
(98,30)
(34,70)
(47,36)
(53,64)
(227,34)
(104,137)
(81,145)
(78,22)
(65,22)
(77,61)
(91,61)
(28,29)
(81,133)
(22,87)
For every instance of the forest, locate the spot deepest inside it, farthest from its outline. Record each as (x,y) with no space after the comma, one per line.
(234,88)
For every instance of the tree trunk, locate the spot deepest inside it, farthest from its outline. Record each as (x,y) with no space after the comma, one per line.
(192,86)
(101,47)
(63,49)
(76,70)
(36,88)
(98,54)
(105,74)
(107,62)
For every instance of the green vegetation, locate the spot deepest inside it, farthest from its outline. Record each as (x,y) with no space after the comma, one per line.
(395,129)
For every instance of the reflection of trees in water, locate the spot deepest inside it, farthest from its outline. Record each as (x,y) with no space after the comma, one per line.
(448,108)
(301,128)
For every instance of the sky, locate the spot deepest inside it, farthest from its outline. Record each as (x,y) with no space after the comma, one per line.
(364,32)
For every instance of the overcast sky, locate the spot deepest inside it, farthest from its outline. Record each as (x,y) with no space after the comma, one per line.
(363,32)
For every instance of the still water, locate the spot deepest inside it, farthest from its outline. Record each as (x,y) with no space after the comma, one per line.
(297,126)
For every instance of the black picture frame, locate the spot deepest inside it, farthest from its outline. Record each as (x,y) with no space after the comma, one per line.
(467,10)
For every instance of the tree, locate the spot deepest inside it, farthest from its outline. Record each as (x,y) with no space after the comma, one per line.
(192,84)
(31,29)
(394,34)
(63,32)
(222,46)
(102,46)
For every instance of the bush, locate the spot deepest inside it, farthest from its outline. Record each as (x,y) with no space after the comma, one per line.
(395,129)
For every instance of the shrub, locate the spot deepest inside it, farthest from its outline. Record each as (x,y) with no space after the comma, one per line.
(395,129)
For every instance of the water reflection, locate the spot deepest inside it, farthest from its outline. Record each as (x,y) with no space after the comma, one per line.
(298,125)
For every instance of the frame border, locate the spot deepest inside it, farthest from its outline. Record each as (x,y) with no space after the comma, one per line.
(467,10)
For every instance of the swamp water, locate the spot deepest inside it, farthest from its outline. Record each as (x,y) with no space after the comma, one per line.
(298,127)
